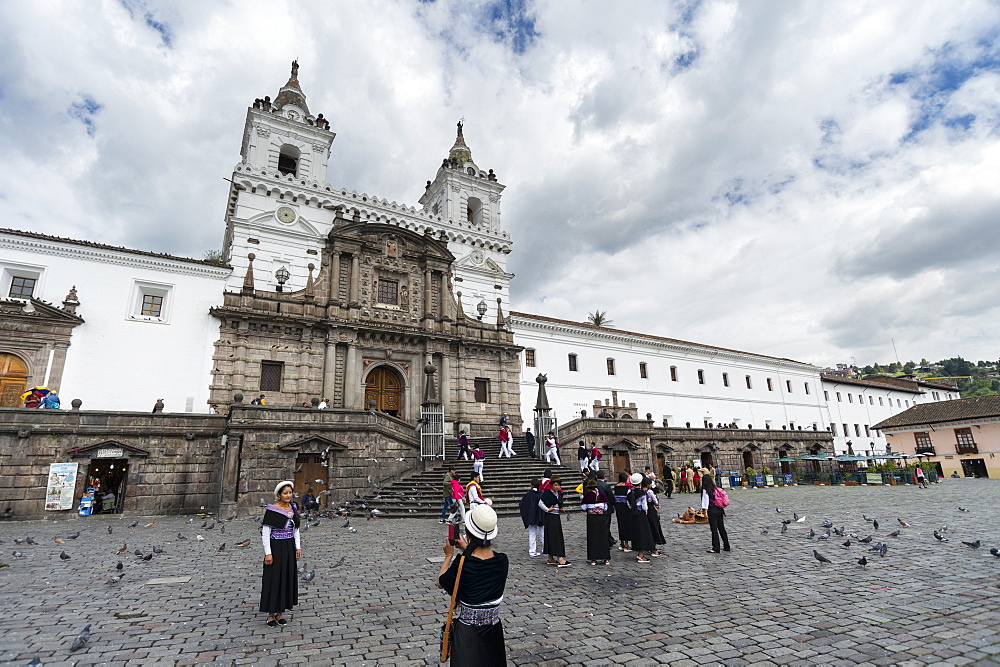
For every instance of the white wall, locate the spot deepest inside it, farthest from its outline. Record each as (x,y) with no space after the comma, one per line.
(118,360)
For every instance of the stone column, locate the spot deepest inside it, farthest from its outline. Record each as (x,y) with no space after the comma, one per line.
(334,293)
(355,283)
(502,385)
(353,396)
(330,366)
(447,400)
(428,305)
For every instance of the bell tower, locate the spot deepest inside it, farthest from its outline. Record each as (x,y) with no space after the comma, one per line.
(466,198)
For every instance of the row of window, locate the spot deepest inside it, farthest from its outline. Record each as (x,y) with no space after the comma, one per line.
(148,302)
(529,361)
(871,399)
(964,442)
(857,430)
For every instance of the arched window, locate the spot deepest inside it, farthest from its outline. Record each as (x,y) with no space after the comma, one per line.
(288,159)
(474,211)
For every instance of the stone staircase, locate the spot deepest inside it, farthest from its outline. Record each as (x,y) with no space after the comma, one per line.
(504,482)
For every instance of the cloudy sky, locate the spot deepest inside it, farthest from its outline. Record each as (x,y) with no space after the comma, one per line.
(803,179)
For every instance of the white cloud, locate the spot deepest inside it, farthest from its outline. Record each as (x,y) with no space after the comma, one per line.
(802,180)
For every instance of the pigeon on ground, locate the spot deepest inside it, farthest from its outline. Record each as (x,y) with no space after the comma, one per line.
(148,557)
(343,559)
(65,556)
(939,537)
(18,540)
(180,537)
(149,525)
(868,520)
(138,552)
(134,524)
(123,548)
(204,524)
(902,523)
(883,549)
(993,552)
(827,523)
(846,544)
(310,576)
(784,522)
(222,547)
(222,529)
(820,557)
(866,540)
(973,545)
(81,638)
(347,524)
(798,519)
(244,544)
(784,527)
(120,566)
(875,524)
(894,533)
(199,538)
(764,531)
(158,550)
(824,536)
(35,661)
(862,561)
(116,579)
(962,509)
(110,530)
(74,535)
(17,554)
(30,540)
(352,529)
(210,526)
(811,534)
(191,520)
(777,510)
(58,540)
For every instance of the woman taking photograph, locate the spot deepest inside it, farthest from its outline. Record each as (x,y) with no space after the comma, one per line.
(716,515)
(477,634)
(279,590)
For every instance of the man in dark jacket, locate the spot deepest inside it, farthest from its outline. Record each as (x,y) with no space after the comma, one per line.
(609,493)
(533,519)
(529,439)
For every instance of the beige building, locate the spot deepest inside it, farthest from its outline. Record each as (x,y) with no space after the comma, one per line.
(959,437)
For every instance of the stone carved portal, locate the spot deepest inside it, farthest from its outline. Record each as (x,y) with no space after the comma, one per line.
(385,386)
(13,380)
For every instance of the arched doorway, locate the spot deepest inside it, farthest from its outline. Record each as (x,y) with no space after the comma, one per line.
(13,380)
(385,387)
(747,459)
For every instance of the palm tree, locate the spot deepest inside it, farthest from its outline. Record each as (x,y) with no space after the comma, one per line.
(599,318)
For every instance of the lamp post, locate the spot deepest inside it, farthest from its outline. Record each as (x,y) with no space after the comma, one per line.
(481,309)
(281,275)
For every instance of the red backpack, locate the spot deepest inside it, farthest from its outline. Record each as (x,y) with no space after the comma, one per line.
(720,498)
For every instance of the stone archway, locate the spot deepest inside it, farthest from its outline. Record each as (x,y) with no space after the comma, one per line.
(13,380)
(384,385)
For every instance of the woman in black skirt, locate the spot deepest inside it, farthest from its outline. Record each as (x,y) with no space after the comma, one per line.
(595,504)
(653,515)
(477,633)
(279,584)
(626,522)
(643,538)
(551,505)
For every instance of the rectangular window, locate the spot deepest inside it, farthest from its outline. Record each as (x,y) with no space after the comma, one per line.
(611,366)
(826,395)
(642,370)
(749,383)
(857,430)
(871,400)
(847,431)
(838,398)
(701,376)
(770,387)
(861,399)
(388,292)
(880,400)
(482,390)
(152,305)
(22,288)
(964,444)
(850,398)
(270,375)
(923,439)
(806,385)
(673,373)
(788,386)
(529,358)
(833,429)
(725,379)
(868,431)
(898,403)
(572,362)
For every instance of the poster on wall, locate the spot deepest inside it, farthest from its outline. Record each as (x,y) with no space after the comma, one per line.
(62,484)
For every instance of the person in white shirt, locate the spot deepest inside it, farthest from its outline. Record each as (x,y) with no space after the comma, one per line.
(474,493)
(553,448)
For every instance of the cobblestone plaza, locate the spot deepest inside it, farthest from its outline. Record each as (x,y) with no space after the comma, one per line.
(767,602)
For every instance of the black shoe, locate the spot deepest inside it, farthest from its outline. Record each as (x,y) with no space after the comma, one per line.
(725,548)
(282,621)
(272,623)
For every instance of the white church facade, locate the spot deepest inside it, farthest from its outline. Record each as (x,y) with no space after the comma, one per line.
(332,293)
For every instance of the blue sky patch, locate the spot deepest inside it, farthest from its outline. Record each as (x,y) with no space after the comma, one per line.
(511,22)
(136,11)
(85,111)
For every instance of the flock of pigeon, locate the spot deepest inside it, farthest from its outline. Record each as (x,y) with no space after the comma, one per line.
(880,548)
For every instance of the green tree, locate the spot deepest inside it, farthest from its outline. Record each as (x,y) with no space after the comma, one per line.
(955,367)
(599,318)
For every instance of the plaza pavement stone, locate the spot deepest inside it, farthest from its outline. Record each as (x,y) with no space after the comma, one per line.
(768,602)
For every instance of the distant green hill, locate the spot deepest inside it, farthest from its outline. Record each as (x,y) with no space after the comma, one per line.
(973,379)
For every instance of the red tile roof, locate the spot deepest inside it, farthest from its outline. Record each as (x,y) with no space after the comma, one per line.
(977,407)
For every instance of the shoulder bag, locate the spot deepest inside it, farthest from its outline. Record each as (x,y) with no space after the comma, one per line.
(446,630)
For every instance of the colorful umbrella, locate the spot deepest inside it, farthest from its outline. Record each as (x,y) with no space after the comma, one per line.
(42,391)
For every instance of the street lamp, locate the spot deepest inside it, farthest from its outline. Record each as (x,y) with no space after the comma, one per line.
(481,309)
(281,275)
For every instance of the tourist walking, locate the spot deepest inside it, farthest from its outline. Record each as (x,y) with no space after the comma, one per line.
(529,439)
(668,481)
(583,455)
(463,446)
(919,472)
(594,458)
(626,522)
(595,504)
(533,519)
(551,505)
(478,459)
(552,448)
(477,634)
(506,442)
(446,490)
(716,515)
(279,588)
